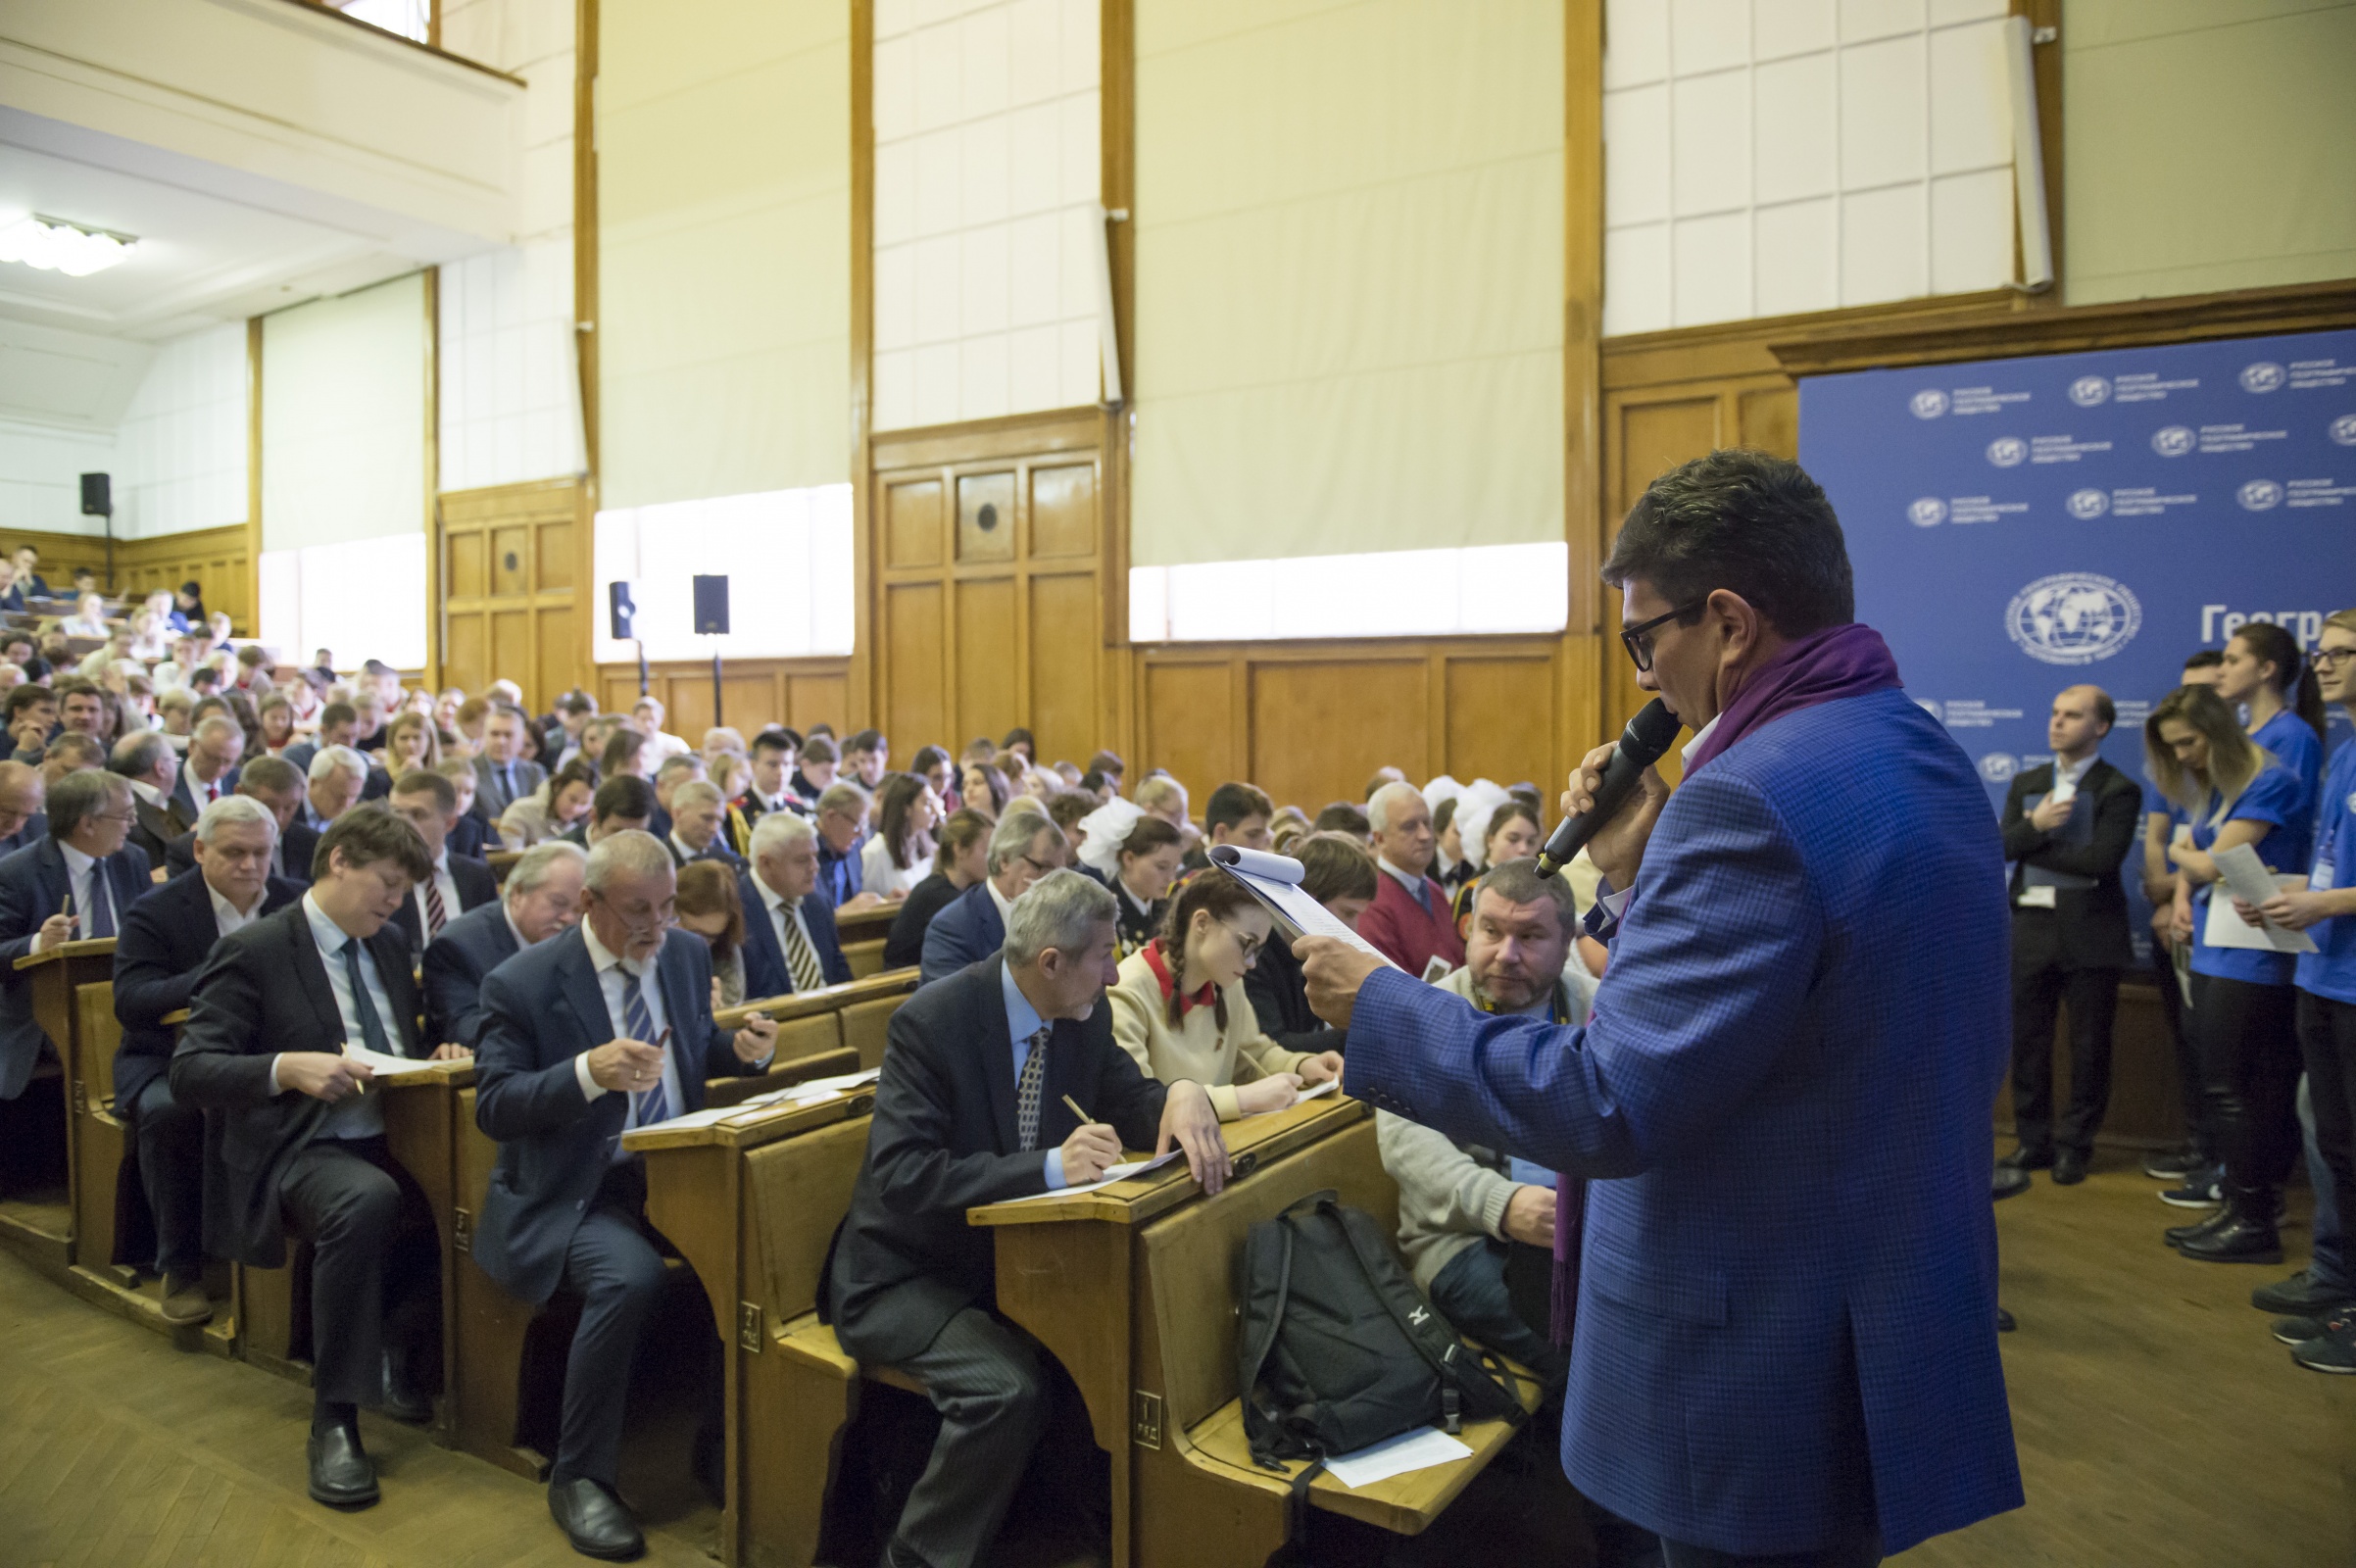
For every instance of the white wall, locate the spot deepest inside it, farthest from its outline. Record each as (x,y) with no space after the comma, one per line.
(1800,155)
(182,447)
(509,381)
(987,181)
(40,476)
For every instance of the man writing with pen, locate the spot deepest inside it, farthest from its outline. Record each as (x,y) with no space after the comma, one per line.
(600,1029)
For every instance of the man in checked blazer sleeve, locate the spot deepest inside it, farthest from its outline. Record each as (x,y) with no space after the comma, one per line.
(1786,1327)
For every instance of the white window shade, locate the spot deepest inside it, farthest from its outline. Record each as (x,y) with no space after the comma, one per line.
(1349,263)
(1486,590)
(786,555)
(723,142)
(363,599)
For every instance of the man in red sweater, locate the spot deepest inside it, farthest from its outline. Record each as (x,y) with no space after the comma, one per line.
(1409,921)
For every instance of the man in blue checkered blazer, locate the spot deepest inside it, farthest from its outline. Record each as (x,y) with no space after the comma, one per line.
(1786,1342)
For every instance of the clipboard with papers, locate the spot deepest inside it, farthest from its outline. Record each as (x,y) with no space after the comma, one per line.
(1275,881)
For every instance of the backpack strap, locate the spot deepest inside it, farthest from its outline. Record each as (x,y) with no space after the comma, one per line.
(1424,1329)
(1271,1422)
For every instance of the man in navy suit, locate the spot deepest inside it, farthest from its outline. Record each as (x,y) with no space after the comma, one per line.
(1786,1344)
(279,785)
(696,809)
(165,937)
(606,1027)
(501,776)
(1024,847)
(790,939)
(540,898)
(337,777)
(301,1147)
(147,761)
(210,770)
(75,885)
(22,821)
(429,802)
(971,1109)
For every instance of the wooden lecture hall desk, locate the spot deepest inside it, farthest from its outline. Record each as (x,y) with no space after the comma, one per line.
(39,1216)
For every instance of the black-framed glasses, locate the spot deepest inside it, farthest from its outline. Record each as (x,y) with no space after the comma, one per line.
(1249,947)
(1638,639)
(2323,659)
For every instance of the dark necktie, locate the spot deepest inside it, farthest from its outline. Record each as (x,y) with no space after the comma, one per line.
(799,961)
(372,1026)
(101,906)
(437,913)
(653,1104)
(1027,1091)
(506,781)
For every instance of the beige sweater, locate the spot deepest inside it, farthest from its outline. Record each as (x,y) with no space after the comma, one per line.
(1198,1049)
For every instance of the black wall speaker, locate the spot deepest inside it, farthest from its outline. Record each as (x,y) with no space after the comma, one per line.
(622,608)
(97,496)
(711,606)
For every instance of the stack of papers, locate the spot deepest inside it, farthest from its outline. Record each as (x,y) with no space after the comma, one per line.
(1275,880)
(1419,1449)
(2242,876)
(381,1065)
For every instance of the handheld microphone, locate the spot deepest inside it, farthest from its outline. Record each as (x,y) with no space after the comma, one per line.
(1642,744)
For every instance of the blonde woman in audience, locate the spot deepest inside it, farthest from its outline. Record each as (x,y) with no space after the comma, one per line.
(277,718)
(468,728)
(719,740)
(90,618)
(412,743)
(711,905)
(555,809)
(1180,1009)
(731,773)
(899,852)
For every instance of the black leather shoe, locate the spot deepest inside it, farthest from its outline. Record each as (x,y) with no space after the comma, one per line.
(2069,1167)
(594,1520)
(2239,1240)
(2178,1235)
(342,1476)
(2299,1297)
(2010,1181)
(2028,1159)
(401,1401)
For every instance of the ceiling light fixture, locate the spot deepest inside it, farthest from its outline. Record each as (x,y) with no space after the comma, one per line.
(53,245)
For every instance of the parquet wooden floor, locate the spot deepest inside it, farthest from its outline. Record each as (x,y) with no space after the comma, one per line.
(2159,1427)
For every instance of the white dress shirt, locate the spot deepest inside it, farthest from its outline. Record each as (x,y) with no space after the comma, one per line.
(1406,879)
(226,916)
(780,912)
(610,968)
(878,875)
(202,793)
(443,880)
(1006,905)
(360,1115)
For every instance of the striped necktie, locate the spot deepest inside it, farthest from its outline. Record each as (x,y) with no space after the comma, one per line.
(653,1105)
(437,913)
(1028,1090)
(800,958)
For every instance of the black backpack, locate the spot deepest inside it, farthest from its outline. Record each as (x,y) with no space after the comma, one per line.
(1338,1349)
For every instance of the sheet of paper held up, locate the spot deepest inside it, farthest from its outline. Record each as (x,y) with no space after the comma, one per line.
(380,1065)
(1275,880)
(1419,1449)
(2242,876)
(1112,1173)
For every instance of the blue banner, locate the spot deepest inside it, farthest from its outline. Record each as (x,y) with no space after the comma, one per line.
(2021,526)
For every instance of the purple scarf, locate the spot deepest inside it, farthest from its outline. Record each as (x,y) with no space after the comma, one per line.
(1824,666)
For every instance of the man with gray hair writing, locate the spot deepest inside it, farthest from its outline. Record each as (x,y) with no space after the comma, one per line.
(974,1106)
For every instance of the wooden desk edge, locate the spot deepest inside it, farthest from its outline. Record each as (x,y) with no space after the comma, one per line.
(754,1125)
(827,999)
(87,946)
(1144,1197)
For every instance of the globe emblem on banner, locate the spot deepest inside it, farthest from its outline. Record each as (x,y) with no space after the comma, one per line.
(1928,404)
(1999,768)
(2172,441)
(2090,391)
(2009,451)
(2343,429)
(2263,377)
(2073,618)
(1928,512)
(2259,495)
(2087,505)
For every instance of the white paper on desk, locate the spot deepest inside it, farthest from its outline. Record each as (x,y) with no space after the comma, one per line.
(1112,1173)
(1275,880)
(1311,1093)
(813,1089)
(2242,876)
(1419,1449)
(708,1118)
(380,1065)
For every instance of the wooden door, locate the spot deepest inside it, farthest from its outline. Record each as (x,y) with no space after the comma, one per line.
(511,570)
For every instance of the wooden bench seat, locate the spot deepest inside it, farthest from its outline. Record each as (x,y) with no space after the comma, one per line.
(811,1343)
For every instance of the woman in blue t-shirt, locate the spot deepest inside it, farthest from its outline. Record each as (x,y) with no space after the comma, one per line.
(2326,910)
(2244,1004)
(2265,673)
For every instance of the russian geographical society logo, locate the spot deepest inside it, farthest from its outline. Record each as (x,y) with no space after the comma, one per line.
(2009,451)
(2073,618)
(2264,376)
(1928,512)
(2172,441)
(2090,391)
(2087,505)
(1999,768)
(2260,494)
(2343,429)
(1928,404)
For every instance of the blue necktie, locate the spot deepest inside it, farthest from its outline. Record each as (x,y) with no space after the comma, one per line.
(102,908)
(653,1104)
(371,1027)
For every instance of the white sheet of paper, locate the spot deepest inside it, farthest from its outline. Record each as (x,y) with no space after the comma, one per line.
(691,1118)
(383,1066)
(1275,880)
(813,1089)
(1419,1449)
(1112,1173)
(2035,898)
(2242,876)
(1311,1092)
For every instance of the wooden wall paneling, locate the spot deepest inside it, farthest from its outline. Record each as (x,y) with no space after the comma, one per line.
(755,692)
(510,588)
(1320,729)
(914,661)
(1065,709)
(811,695)
(987,658)
(1186,721)
(1501,720)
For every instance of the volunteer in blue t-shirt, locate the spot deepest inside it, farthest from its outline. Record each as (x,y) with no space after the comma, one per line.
(2326,910)
(2265,673)
(2243,1003)
(2162,816)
